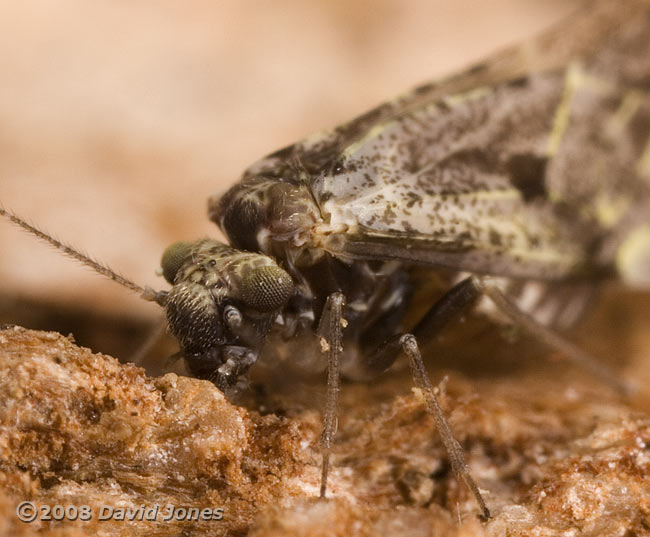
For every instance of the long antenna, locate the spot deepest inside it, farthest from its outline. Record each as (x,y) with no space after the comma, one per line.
(147,293)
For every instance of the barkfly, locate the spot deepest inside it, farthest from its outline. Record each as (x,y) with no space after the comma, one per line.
(525,179)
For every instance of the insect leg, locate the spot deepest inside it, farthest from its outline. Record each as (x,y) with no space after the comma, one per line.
(550,338)
(450,306)
(330,329)
(409,345)
(153,337)
(458,299)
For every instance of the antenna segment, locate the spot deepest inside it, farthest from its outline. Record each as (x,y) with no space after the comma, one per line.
(147,293)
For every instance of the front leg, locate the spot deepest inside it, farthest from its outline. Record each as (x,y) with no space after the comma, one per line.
(330,334)
(222,365)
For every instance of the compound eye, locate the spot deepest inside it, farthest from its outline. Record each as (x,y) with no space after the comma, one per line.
(173,258)
(233,317)
(267,288)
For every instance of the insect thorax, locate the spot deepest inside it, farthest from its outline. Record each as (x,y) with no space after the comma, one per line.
(275,213)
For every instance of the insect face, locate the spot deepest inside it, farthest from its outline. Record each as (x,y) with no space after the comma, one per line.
(222,305)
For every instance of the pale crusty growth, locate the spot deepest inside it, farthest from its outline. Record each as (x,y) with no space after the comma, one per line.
(79,428)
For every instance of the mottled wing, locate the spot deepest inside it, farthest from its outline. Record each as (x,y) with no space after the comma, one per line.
(573,37)
(521,178)
(459,182)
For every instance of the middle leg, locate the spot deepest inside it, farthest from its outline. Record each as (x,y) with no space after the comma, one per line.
(456,301)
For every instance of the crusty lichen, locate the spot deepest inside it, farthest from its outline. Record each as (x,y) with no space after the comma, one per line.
(80,428)
(554,456)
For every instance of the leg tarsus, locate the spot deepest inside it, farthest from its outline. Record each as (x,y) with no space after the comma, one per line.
(409,344)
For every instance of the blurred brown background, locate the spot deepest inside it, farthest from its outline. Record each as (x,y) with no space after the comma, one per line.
(118,119)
